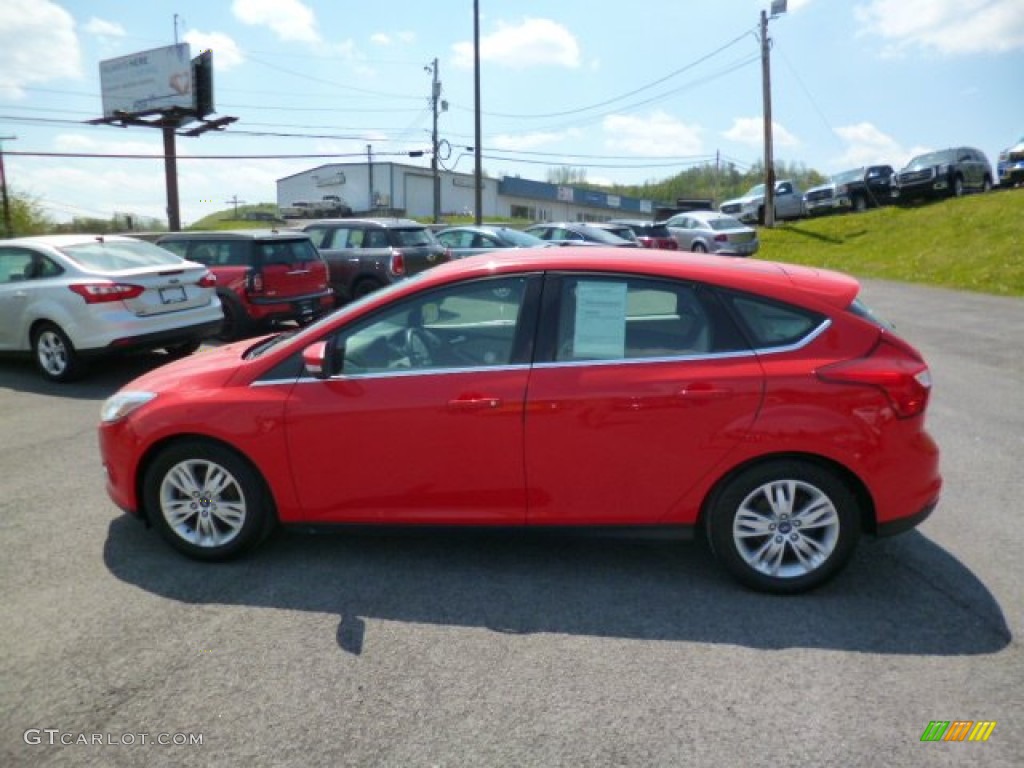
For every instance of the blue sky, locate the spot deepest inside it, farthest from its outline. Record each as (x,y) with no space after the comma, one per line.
(630,93)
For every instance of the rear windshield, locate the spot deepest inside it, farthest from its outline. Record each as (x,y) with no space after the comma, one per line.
(413,237)
(652,230)
(113,255)
(602,236)
(287,251)
(726,222)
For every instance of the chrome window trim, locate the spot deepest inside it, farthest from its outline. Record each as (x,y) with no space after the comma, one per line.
(739,353)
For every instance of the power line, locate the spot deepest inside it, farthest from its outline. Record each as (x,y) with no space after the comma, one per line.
(132,156)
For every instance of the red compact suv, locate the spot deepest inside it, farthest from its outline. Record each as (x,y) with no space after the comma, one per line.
(263,276)
(756,403)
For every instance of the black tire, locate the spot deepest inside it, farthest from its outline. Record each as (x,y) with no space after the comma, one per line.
(860,203)
(184,349)
(699,248)
(365,287)
(809,530)
(760,215)
(958,187)
(237,324)
(182,489)
(56,357)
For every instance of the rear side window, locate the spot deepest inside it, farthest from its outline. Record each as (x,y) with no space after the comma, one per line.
(772,324)
(637,318)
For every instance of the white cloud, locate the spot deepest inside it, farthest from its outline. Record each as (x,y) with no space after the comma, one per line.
(750,131)
(655,134)
(226,53)
(383,38)
(103,28)
(532,43)
(867,145)
(526,141)
(37,44)
(288,19)
(945,26)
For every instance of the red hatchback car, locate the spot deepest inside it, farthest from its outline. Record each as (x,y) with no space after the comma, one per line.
(757,402)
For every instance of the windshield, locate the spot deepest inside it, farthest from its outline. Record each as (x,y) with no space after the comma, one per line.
(927,161)
(602,236)
(113,255)
(847,176)
(755,191)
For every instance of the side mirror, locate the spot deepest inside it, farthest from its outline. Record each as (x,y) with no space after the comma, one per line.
(318,359)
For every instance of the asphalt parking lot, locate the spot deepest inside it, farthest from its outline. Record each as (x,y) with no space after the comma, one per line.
(470,650)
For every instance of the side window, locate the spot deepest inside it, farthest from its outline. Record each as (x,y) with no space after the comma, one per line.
(773,324)
(375,238)
(204,253)
(472,325)
(630,318)
(354,239)
(177,247)
(321,236)
(16,265)
(785,188)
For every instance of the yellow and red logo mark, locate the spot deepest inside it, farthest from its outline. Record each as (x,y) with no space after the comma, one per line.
(958,730)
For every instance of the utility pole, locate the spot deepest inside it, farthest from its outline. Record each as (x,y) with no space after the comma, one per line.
(778,8)
(435,101)
(236,202)
(8,226)
(479,184)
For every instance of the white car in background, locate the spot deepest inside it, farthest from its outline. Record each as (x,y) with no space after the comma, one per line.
(67,298)
(789,203)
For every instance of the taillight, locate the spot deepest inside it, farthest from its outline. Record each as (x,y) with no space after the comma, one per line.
(893,367)
(97,293)
(721,238)
(209,280)
(397,263)
(670,245)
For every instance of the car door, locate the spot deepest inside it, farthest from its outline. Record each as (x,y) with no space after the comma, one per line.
(15,294)
(641,388)
(787,202)
(423,423)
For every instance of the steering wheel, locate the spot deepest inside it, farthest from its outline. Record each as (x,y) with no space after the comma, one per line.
(420,346)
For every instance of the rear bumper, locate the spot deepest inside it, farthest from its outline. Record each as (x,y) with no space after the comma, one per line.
(305,307)
(158,339)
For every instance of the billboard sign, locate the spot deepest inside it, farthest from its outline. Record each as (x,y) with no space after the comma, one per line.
(149,81)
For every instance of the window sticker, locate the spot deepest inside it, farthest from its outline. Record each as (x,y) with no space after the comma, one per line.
(600,331)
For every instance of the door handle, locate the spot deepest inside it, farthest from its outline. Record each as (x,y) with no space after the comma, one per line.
(704,392)
(474,403)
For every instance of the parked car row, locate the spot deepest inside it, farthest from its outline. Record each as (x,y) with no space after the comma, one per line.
(1011,164)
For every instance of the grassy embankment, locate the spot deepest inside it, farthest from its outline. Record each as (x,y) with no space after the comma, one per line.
(975,243)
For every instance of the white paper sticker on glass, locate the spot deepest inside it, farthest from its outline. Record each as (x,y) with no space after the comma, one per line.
(600,321)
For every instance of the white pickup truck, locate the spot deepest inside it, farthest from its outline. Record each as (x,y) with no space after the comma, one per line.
(329,206)
(789,203)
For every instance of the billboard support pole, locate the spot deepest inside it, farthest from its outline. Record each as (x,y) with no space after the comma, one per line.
(171,175)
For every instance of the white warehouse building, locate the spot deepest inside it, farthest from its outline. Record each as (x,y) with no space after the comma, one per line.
(395,189)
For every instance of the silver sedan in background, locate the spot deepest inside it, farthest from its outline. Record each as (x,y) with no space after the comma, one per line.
(712,232)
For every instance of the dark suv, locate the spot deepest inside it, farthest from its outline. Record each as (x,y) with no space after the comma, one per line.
(366,254)
(263,276)
(854,190)
(946,173)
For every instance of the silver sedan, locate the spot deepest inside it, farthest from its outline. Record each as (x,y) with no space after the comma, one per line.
(712,232)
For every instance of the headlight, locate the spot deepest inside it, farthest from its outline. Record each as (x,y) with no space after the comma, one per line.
(123,403)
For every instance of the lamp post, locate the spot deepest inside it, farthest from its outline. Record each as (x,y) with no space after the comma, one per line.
(435,102)
(777,9)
